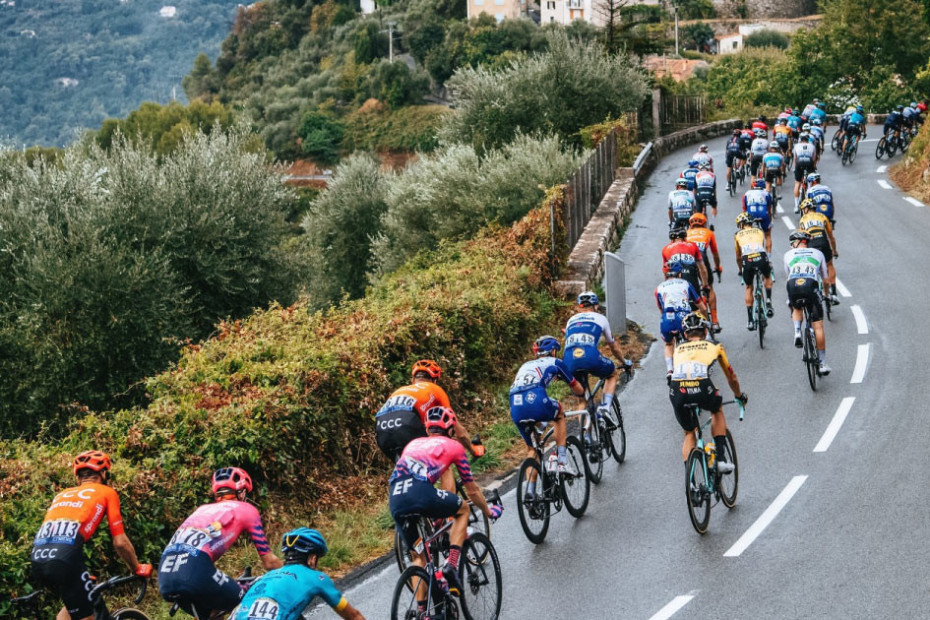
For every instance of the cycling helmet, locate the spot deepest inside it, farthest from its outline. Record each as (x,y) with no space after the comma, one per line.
(692,163)
(301,542)
(795,112)
(743,219)
(821,105)
(546,345)
(441,418)
(773,145)
(736,132)
(813,177)
(787,110)
(672,268)
(782,121)
(899,107)
(860,109)
(232,478)
(94,460)
(703,147)
(798,235)
(762,118)
(698,219)
(759,184)
(677,233)
(807,205)
(681,184)
(693,322)
(806,127)
(816,122)
(816,100)
(704,166)
(804,136)
(429,367)
(914,104)
(588,298)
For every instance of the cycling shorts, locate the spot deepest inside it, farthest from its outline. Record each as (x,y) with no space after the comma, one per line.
(588,360)
(671,324)
(536,406)
(753,263)
(60,569)
(681,220)
(772,175)
(700,392)
(802,169)
(411,498)
(853,130)
(844,123)
(191,580)
(731,157)
(765,221)
(822,244)
(705,196)
(805,292)
(754,164)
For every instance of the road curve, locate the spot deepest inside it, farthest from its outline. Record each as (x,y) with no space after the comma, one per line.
(831,518)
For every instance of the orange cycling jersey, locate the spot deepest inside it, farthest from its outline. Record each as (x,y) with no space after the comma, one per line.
(78,511)
(783,129)
(703,238)
(419,397)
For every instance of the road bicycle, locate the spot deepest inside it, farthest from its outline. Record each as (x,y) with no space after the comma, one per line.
(553,489)
(30,605)
(479,572)
(837,142)
(849,153)
(245,581)
(608,435)
(809,349)
(759,318)
(703,482)
(888,144)
(731,182)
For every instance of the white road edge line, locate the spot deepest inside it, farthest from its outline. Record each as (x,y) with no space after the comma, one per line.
(766,518)
(672,608)
(788,222)
(841,288)
(881,169)
(885,184)
(914,201)
(862,326)
(778,209)
(862,362)
(835,424)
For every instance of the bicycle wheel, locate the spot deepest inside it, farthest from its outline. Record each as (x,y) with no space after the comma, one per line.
(576,488)
(595,469)
(696,490)
(728,484)
(853,151)
(616,434)
(891,146)
(759,311)
(835,143)
(880,148)
(810,357)
(478,521)
(731,183)
(534,512)
(481,580)
(401,552)
(129,614)
(404,604)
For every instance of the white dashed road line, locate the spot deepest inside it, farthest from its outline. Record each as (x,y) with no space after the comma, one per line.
(767,517)
(862,363)
(788,222)
(881,169)
(778,209)
(862,326)
(885,184)
(842,290)
(672,608)
(914,201)
(835,424)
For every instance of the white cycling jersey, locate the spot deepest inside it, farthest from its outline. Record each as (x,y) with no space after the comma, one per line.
(805,263)
(760,147)
(804,152)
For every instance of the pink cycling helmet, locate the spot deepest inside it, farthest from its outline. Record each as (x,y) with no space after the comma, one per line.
(232,478)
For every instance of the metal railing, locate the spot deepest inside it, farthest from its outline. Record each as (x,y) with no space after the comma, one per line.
(587,186)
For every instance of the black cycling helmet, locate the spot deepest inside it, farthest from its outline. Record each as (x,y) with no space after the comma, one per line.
(736,132)
(693,322)
(798,235)
(899,107)
(677,233)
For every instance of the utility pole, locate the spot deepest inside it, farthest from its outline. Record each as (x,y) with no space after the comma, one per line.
(391,41)
(676,30)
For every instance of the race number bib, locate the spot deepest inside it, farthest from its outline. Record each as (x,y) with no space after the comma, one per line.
(58,532)
(690,370)
(263,609)
(579,340)
(190,537)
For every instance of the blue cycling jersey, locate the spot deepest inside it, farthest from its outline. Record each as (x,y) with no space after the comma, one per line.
(823,199)
(772,161)
(794,122)
(284,593)
(756,203)
(894,119)
(539,373)
(856,119)
(818,113)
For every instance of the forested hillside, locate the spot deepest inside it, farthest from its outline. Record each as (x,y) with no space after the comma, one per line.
(69,64)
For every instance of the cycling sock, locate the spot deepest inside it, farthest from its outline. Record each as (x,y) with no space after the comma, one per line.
(454,552)
(749,312)
(797,327)
(768,294)
(608,398)
(833,289)
(669,365)
(721,443)
(797,201)
(822,356)
(530,488)
(561,452)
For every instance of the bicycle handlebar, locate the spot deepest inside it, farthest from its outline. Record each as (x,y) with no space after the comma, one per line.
(739,403)
(115,582)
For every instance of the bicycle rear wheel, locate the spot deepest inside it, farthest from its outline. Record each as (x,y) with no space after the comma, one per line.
(728,484)
(616,434)
(880,148)
(731,184)
(481,579)
(836,143)
(595,469)
(401,552)
(534,512)
(404,604)
(129,614)
(760,317)
(576,488)
(697,492)
(853,152)
(810,357)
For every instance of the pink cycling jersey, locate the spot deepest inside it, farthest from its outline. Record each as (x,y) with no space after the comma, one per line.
(213,528)
(427,458)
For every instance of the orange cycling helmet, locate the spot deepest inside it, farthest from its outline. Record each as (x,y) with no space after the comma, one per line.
(442,418)
(429,367)
(698,219)
(94,460)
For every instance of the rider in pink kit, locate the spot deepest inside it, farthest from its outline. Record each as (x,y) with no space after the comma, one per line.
(187,574)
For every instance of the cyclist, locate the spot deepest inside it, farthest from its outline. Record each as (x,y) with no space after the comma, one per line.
(844,120)
(855,126)
(676,299)
(689,255)
(809,109)
(783,135)
(822,196)
(681,204)
(583,334)
(403,417)
(783,115)
(689,173)
(773,166)
(705,191)
(187,573)
(805,269)
(817,135)
(909,116)
(706,241)
(757,151)
(733,153)
(285,592)
(818,227)
(794,124)
(691,384)
(805,162)
(757,203)
(819,113)
(71,521)
(746,137)
(702,157)
(412,494)
(894,121)
(751,256)
(760,124)
(530,400)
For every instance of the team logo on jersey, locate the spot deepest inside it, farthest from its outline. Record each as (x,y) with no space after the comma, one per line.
(579,352)
(531,398)
(799,281)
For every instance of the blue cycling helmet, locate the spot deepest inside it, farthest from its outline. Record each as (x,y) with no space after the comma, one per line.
(546,345)
(673,268)
(860,109)
(899,107)
(821,105)
(303,542)
(813,177)
(588,298)
(759,183)
(816,121)
(692,163)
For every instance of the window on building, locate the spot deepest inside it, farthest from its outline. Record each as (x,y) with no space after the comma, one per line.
(499,16)
(735,43)
(550,5)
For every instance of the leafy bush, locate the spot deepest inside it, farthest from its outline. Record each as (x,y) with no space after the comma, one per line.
(411,128)
(320,136)
(396,85)
(767,38)
(494,106)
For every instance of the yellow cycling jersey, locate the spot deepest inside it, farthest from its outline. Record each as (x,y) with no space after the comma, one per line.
(750,241)
(695,359)
(815,224)
(782,129)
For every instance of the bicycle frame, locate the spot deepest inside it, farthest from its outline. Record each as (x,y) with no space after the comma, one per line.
(698,432)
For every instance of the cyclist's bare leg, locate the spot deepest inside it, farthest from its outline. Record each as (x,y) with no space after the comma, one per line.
(749,290)
(712,300)
(768,241)
(610,384)
(689,444)
(559,425)
(831,278)
(64,615)
(718,423)
(819,335)
(459,526)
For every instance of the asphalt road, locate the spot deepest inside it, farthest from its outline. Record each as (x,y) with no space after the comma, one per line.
(850,539)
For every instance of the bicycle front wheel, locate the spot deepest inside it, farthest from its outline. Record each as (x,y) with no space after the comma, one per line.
(616,433)
(481,579)
(594,462)
(533,509)
(404,604)
(129,614)
(880,148)
(810,357)
(728,484)
(696,488)
(575,486)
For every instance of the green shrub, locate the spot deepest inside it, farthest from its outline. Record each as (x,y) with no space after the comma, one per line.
(767,38)
(411,128)
(396,85)
(321,135)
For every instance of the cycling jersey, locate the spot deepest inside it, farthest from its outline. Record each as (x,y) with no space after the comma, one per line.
(283,594)
(804,153)
(746,137)
(857,119)
(808,110)
(705,190)
(213,528)
(759,125)
(692,365)
(704,159)
(674,297)
(427,458)
(772,162)
(894,120)
(750,241)
(782,133)
(817,134)
(794,123)
(689,255)
(818,113)
(759,147)
(758,204)
(909,114)
(529,398)
(704,238)
(733,145)
(822,196)
(419,397)
(782,115)
(806,263)
(815,224)
(681,203)
(583,333)
(705,178)
(403,416)
(688,175)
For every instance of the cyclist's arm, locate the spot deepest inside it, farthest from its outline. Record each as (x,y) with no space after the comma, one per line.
(728,371)
(121,543)
(566,376)
(703,271)
(349,613)
(334,598)
(477,497)
(829,228)
(739,256)
(713,250)
(257,532)
(126,551)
